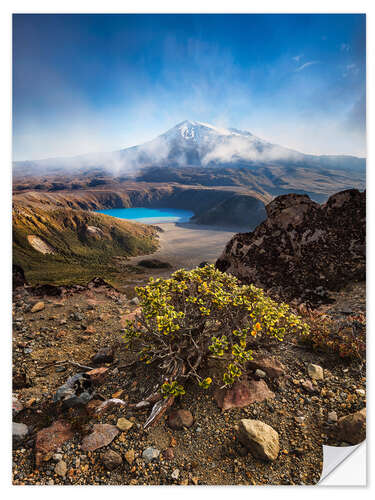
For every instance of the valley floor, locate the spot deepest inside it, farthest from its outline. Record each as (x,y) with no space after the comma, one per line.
(187,245)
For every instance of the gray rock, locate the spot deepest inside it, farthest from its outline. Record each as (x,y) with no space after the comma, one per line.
(134,301)
(105,355)
(150,454)
(19,432)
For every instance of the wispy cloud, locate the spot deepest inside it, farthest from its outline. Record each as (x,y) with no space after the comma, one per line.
(350,69)
(306,65)
(345,47)
(297,58)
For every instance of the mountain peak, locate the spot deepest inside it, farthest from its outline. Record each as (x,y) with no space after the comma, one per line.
(189,129)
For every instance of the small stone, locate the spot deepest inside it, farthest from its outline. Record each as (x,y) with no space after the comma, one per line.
(61,468)
(260,373)
(315,372)
(332,417)
(150,454)
(175,474)
(130,456)
(57,457)
(361,392)
(134,301)
(16,406)
(168,454)
(39,306)
(60,369)
(111,459)
(123,424)
(19,432)
(352,427)
(105,355)
(308,386)
(178,419)
(261,439)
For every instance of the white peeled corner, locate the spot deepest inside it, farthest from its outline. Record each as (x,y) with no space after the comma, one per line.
(344,466)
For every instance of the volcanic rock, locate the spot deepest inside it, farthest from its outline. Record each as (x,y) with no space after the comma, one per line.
(268,364)
(352,427)
(303,249)
(111,459)
(315,372)
(50,438)
(261,439)
(178,419)
(105,355)
(243,393)
(102,435)
(39,306)
(19,432)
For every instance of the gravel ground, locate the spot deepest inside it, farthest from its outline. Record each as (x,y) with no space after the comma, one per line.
(77,325)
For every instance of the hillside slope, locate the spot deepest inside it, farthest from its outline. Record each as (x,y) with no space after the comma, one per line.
(62,245)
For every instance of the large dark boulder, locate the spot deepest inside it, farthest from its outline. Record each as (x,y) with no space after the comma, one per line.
(303,249)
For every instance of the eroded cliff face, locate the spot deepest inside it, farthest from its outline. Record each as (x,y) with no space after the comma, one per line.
(303,249)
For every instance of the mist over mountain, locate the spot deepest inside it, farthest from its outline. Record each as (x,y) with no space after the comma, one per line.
(192,144)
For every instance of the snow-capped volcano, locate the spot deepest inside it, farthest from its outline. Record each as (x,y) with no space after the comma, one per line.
(195,144)
(192,143)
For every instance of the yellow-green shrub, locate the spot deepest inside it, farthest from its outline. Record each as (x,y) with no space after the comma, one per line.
(200,313)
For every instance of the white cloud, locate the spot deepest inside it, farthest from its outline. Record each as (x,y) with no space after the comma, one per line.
(297,58)
(306,65)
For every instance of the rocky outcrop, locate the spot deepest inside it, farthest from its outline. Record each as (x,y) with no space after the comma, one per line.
(303,249)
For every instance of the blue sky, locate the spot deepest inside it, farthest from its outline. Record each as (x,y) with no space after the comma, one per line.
(91,83)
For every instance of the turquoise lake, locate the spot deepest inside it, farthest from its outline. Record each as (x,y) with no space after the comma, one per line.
(149,215)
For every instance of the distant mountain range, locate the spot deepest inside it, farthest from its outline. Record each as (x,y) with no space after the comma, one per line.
(195,145)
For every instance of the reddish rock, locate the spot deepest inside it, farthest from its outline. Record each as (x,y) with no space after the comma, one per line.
(102,435)
(307,385)
(178,419)
(269,365)
(243,393)
(50,438)
(97,375)
(168,454)
(352,428)
(129,317)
